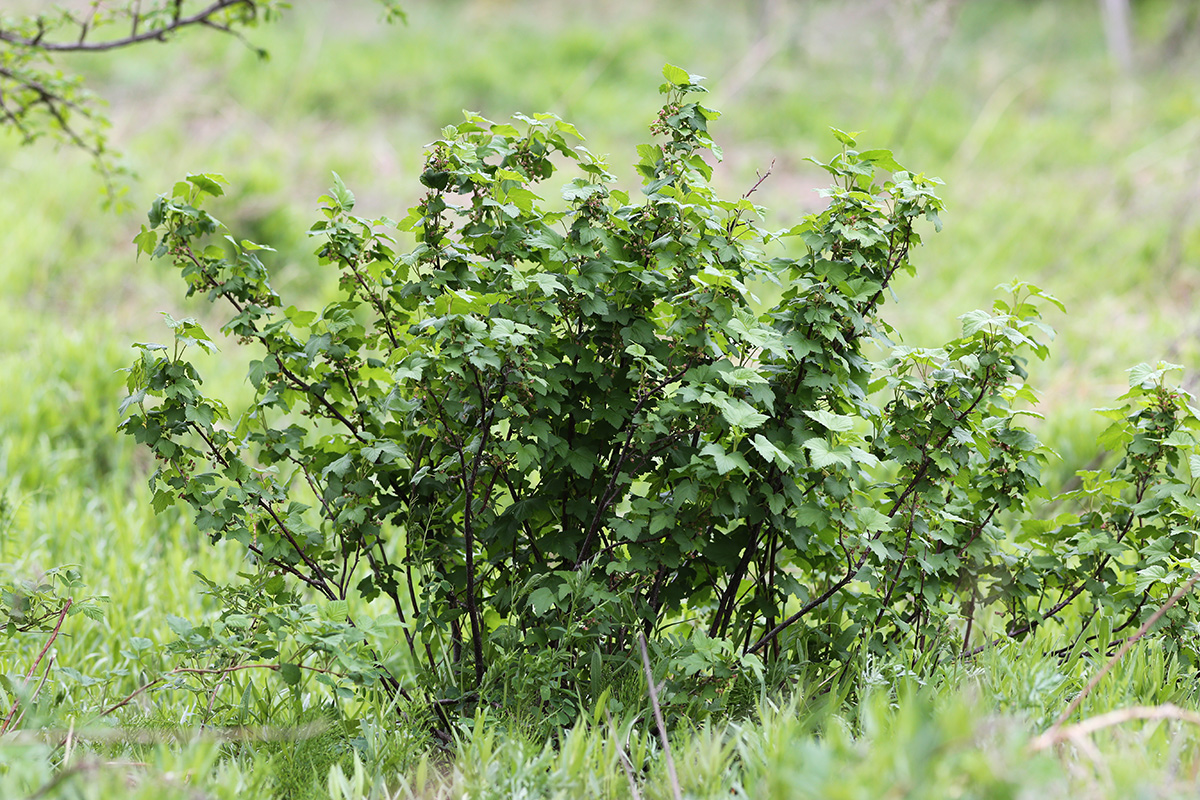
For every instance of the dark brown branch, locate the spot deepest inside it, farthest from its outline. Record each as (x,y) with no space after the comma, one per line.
(320,578)
(737,218)
(618,461)
(486,415)
(887,598)
(289,569)
(81,45)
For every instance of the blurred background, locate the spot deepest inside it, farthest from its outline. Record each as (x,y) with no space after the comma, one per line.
(1067,133)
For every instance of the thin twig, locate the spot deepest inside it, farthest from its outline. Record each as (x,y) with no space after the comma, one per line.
(208,671)
(737,218)
(34,666)
(658,720)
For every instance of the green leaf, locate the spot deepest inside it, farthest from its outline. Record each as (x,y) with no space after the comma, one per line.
(845,138)
(290,674)
(833,422)
(541,600)
(811,516)
(740,414)
(872,520)
(823,455)
(136,397)
(1179,438)
(581,463)
(1142,374)
(769,451)
(336,610)
(676,76)
(883,158)
(208,183)
(1148,577)
(726,462)
(1114,436)
(386,452)
(1145,375)
(975,321)
(344,197)
(179,626)
(146,241)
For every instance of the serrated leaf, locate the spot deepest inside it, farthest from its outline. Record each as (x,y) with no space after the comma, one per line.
(1148,577)
(726,462)
(845,138)
(883,158)
(811,516)
(872,520)
(179,626)
(1141,374)
(542,600)
(581,463)
(676,75)
(860,456)
(834,422)
(290,674)
(740,414)
(1114,436)
(974,321)
(1180,439)
(208,183)
(336,610)
(136,397)
(770,452)
(385,452)
(146,241)
(822,455)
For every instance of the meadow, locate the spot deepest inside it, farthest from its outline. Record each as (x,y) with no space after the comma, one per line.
(1059,169)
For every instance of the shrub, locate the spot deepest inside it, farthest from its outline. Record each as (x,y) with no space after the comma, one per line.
(548,428)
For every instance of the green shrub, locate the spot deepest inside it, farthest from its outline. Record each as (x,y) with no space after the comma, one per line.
(551,427)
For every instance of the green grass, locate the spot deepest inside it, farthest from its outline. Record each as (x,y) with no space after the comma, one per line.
(964,733)
(1058,170)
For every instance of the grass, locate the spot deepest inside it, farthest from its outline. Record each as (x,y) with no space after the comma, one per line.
(1059,170)
(963,733)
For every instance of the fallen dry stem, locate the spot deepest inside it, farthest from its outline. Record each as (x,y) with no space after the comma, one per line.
(1077,732)
(1099,676)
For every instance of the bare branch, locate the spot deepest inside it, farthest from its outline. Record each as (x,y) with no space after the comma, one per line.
(82,45)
